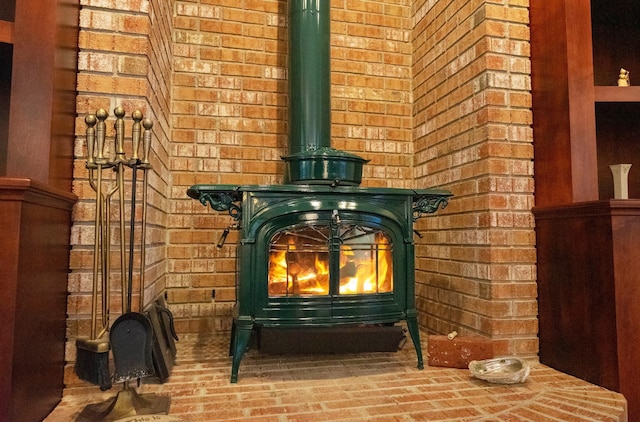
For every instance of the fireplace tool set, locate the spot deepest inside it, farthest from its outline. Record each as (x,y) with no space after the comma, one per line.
(131,336)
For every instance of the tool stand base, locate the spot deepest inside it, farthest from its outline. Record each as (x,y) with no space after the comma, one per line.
(126,403)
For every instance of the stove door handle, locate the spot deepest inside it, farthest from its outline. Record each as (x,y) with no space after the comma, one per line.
(336,216)
(223,238)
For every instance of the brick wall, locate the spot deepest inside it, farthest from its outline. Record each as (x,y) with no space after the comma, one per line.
(476,266)
(432,92)
(125,60)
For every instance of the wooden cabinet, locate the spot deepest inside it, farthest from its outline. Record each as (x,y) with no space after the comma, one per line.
(34,264)
(589,292)
(588,259)
(38,66)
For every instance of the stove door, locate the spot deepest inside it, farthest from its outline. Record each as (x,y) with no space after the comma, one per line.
(324,270)
(365,257)
(321,260)
(298,262)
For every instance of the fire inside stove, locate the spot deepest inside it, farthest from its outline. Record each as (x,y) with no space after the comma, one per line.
(302,261)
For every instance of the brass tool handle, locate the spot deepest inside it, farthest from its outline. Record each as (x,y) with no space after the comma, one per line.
(97,252)
(91,121)
(101,131)
(146,141)
(135,134)
(119,126)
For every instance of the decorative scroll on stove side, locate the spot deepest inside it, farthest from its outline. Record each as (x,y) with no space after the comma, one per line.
(224,201)
(428,204)
(321,256)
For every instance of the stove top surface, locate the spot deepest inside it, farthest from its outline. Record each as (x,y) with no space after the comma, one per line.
(196,190)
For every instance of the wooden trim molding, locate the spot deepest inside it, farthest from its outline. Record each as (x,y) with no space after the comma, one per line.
(6,32)
(27,190)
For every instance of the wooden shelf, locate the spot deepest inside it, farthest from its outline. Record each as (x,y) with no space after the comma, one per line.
(6,32)
(617,94)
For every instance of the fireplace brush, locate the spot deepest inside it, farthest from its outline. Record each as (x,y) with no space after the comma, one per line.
(92,360)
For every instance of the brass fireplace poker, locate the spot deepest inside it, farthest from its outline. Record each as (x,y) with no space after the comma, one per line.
(130,337)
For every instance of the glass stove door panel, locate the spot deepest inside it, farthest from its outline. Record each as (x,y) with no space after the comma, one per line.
(301,261)
(366,262)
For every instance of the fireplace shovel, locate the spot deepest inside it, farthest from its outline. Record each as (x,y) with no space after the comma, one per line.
(131,339)
(131,335)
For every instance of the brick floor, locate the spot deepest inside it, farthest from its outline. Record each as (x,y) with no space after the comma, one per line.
(357,387)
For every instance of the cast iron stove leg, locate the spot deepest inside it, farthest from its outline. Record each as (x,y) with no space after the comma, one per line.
(414,331)
(232,342)
(239,341)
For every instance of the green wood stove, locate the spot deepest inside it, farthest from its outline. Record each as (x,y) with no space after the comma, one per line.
(319,250)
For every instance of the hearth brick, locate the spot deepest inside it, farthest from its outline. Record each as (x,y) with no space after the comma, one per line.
(356,387)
